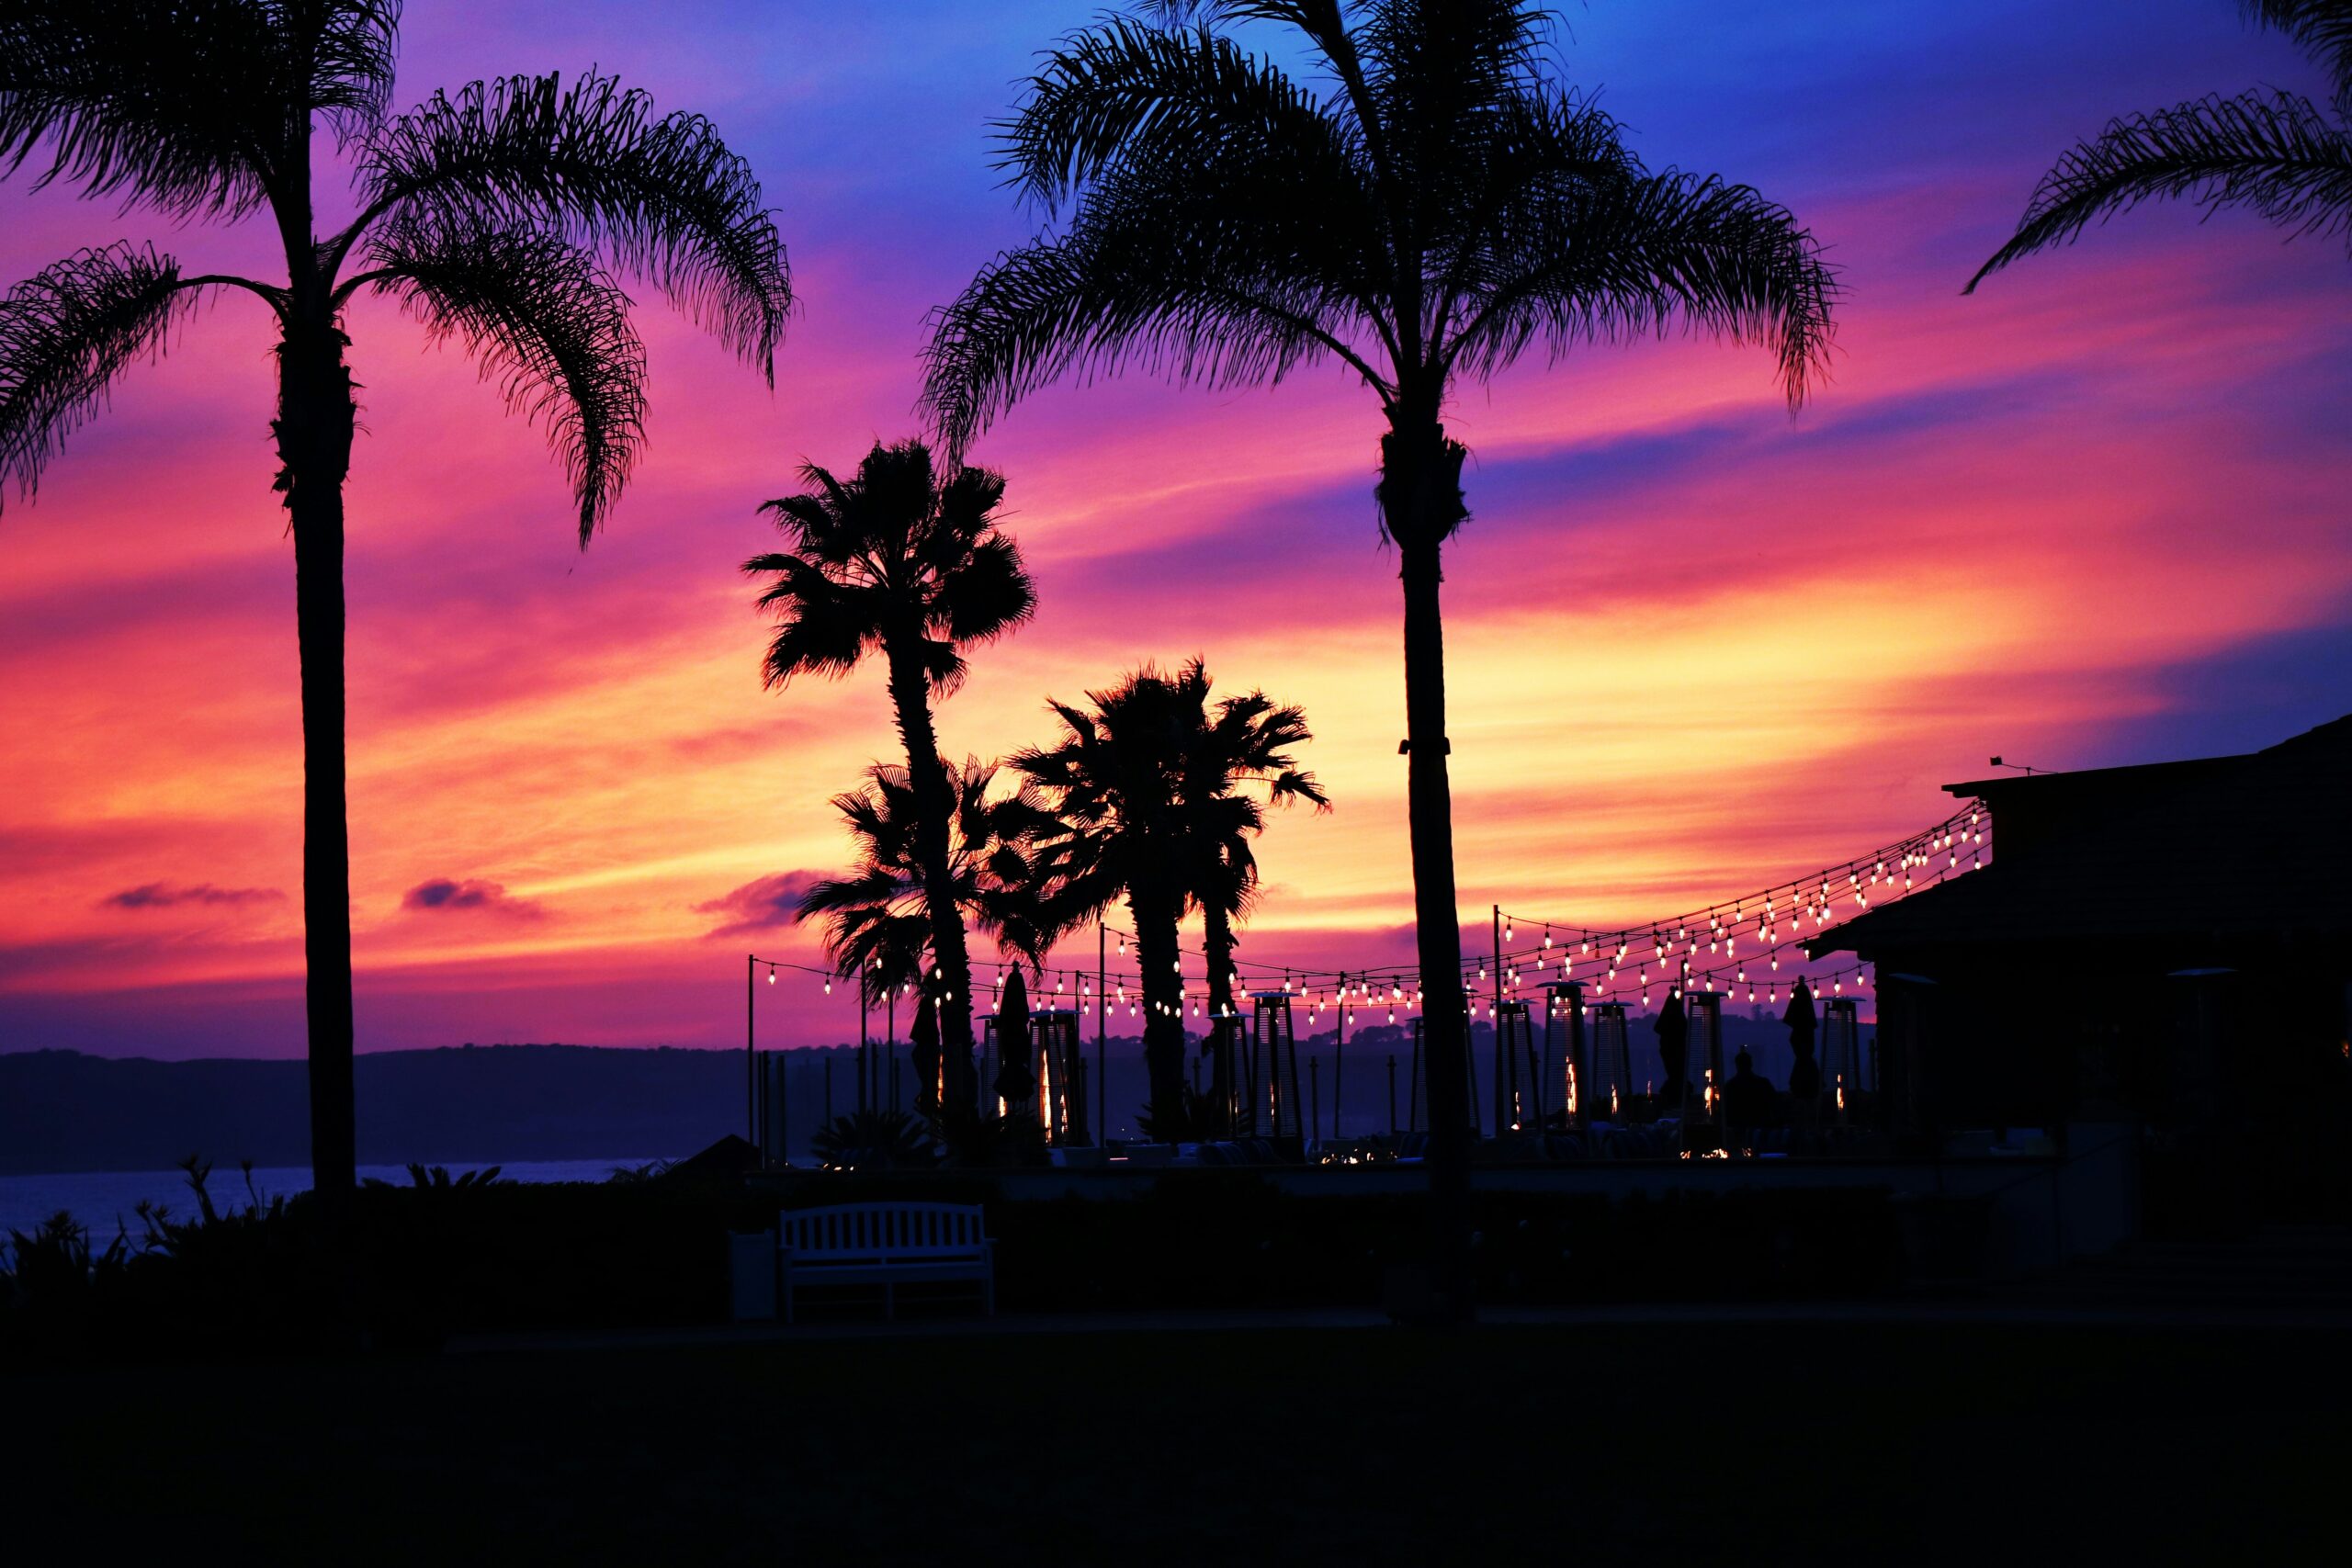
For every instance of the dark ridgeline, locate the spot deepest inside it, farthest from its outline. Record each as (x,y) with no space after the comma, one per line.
(491,217)
(906,561)
(1150,803)
(2275,153)
(1429,204)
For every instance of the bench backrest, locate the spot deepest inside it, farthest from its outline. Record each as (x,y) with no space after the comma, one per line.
(884,1231)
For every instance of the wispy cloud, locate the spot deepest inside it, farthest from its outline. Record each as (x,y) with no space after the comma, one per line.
(449,894)
(169,894)
(765,905)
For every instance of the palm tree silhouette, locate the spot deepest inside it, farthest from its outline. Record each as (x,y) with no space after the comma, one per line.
(489,217)
(1147,791)
(1431,210)
(877,918)
(903,561)
(2277,153)
(1244,743)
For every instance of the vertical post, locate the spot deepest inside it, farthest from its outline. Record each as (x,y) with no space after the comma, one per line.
(1338,1049)
(1314,1093)
(1495,1017)
(889,1050)
(750,1043)
(1101,1034)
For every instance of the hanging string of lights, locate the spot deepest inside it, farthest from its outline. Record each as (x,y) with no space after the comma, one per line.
(1745,940)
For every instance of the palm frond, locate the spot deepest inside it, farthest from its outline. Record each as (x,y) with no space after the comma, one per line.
(2322,29)
(347,50)
(1125,93)
(67,332)
(664,195)
(179,106)
(547,321)
(1220,277)
(1642,255)
(2274,152)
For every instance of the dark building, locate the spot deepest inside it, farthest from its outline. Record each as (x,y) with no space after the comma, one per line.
(2167,946)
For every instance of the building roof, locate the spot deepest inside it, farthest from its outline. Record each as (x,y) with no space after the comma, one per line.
(2249,846)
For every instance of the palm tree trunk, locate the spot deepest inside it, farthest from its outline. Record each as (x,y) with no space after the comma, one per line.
(910,696)
(1420,497)
(1156,917)
(314,430)
(1217,942)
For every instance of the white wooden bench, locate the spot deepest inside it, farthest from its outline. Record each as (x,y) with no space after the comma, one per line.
(885,1244)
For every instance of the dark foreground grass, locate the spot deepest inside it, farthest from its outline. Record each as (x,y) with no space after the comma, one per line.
(1695,1443)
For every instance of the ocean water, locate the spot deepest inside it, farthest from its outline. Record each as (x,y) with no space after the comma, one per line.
(97,1198)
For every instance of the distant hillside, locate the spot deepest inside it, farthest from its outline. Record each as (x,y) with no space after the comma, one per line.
(61,1111)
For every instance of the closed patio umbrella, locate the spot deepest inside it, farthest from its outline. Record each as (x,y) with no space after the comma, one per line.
(1673,1050)
(1014,1080)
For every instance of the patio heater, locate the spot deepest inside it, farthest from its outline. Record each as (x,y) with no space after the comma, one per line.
(1610,1044)
(1594,1084)
(1273,1060)
(1228,1089)
(1704,1010)
(1518,1080)
(1061,1075)
(1841,1051)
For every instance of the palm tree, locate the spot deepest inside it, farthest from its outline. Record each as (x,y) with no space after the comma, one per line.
(877,918)
(905,562)
(2275,153)
(1245,742)
(490,216)
(1426,212)
(1149,799)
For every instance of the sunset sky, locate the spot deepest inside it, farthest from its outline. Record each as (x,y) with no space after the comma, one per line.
(2093,515)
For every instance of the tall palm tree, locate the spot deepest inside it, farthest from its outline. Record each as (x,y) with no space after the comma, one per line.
(1431,207)
(903,561)
(491,217)
(2277,153)
(1147,791)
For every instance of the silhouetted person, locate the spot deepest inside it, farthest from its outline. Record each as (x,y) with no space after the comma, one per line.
(1747,1102)
(1674,1053)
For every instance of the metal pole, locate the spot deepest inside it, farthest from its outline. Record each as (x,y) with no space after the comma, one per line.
(1101,1033)
(1338,1051)
(1495,1016)
(750,1043)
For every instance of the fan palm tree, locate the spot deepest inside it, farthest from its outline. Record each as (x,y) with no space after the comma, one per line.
(903,561)
(2275,153)
(877,918)
(490,216)
(1149,791)
(1244,743)
(1431,207)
